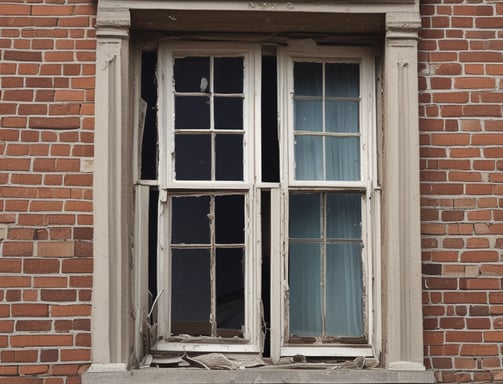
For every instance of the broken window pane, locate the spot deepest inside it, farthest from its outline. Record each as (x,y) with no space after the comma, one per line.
(191,292)
(229,219)
(230,290)
(190,220)
(192,74)
(193,157)
(192,112)
(228,74)
(229,157)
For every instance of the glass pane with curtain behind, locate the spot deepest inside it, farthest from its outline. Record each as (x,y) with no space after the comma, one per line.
(304,289)
(342,116)
(344,216)
(344,304)
(304,217)
(343,158)
(309,157)
(342,80)
(308,115)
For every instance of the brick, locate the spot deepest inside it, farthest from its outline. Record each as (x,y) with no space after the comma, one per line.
(33,325)
(56,249)
(35,340)
(30,310)
(54,122)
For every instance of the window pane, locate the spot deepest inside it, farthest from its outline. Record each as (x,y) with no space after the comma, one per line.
(344,216)
(305,290)
(230,288)
(229,219)
(193,157)
(304,217)
(190,223)
(192,74)
(343,158)
(228,74)
(308,115)
(342,116)
(192,112)
(229,153)
(307,79)
(342,80)
(191,292)
(308,157)
(228,113)
(344,290)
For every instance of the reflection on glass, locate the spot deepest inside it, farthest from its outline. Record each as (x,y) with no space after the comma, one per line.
(229,157)
(230,288)
(308,157)
(192,112)
(308,115)
(343,158)
(305,290)
(228,113)
(344,290)
(190,219)
(228,74)
(190,73)
(193,157)
(190,292)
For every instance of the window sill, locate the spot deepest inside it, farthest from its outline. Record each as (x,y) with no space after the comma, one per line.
(256,375)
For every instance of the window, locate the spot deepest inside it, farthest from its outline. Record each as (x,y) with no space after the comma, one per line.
(123,274)
(213,202)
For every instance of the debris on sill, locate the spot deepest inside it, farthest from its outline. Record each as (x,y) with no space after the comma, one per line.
(218,361)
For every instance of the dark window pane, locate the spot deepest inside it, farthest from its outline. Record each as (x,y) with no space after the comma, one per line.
(192,74)
(228,113)
(190,292)
(228,74)
(305,289)
(193,157)
(190,224)
(192,112)
(304,217)
(269,104)
(344,290)
(342,80)
(230,288)
(229,153)
(307,79)
(229,219)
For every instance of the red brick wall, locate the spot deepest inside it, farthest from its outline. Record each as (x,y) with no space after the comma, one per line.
(461,73)
(47,54)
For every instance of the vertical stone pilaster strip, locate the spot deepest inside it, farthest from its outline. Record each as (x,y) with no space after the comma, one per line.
(401,205)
